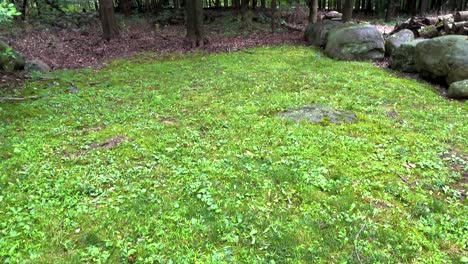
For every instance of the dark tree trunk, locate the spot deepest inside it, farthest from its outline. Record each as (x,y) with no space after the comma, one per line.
(412,9)
(125,5)
(236,6)
(226,3)
(109,24)
(369,6)
(244,7)
(217,3)
(313,6)
(273,16)
(348,10)
(390,10)
(254,4)
(423,8)
(24,10)
(194,23)
(263,4)
(339,6)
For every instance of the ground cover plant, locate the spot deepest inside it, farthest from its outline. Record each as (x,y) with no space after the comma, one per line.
(183,159)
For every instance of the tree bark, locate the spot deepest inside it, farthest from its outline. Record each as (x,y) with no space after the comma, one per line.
(110,28)
(313,6)
(423,7)
(263,4)
(24,10)
(339,6)
(273,16)
(226,3)
(194,23)
(390,10)
(125,7)
(348,10)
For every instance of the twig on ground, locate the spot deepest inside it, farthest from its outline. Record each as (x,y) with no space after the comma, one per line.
(403,178)
(355,242)
(19,98)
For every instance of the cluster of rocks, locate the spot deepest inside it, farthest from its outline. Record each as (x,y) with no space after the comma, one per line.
(442,58)
(11,61)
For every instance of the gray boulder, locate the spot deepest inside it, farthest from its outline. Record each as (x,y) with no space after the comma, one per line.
(9,59)
(443,57)
(355,42)
(394,41)
(316,34)
(37,65)
(458,90)
(403,57)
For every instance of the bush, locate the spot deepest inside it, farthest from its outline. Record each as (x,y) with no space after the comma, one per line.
(7,12)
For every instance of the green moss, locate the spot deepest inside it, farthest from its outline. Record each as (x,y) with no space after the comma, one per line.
(208,172)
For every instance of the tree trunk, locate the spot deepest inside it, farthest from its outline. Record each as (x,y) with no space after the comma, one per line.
(125,7)
(369,6)
(110,28)
(254,4)
(24,10)
(226,3)
(348,10)
(236,6)
(194,23)
(339,6)
(244,7)
(413,4)
(390,9)
(263,4)
(423,7)
(273,16)
(313,6)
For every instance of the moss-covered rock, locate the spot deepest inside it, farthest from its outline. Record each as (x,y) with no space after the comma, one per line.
(403,57)
(394,41)
(37,65)
(9,59)
(355,42)
(443,57)
(316,33)
(458,90)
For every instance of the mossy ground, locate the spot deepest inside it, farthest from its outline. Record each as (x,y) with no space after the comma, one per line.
(183,159)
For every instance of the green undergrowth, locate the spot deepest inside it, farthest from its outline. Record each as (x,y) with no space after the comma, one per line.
(183,159)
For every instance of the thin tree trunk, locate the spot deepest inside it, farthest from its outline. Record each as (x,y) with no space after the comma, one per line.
(125,4)
(263,4)
(389,13)
(348,10)
(273,16)
(244,7)
(110,28)
(313,6)
(194,23)
(424,5)
(24,10)
(369,6)
(226,3)
(339,6)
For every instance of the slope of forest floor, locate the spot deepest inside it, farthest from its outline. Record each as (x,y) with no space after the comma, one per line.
(183,159)
(75,48)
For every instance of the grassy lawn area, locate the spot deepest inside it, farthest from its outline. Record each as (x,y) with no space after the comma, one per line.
(183,159)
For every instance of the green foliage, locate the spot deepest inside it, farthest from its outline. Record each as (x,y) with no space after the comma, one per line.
(182,159)
(7,12)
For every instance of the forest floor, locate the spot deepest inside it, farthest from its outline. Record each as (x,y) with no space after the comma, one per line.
(183,158)
(84,47)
